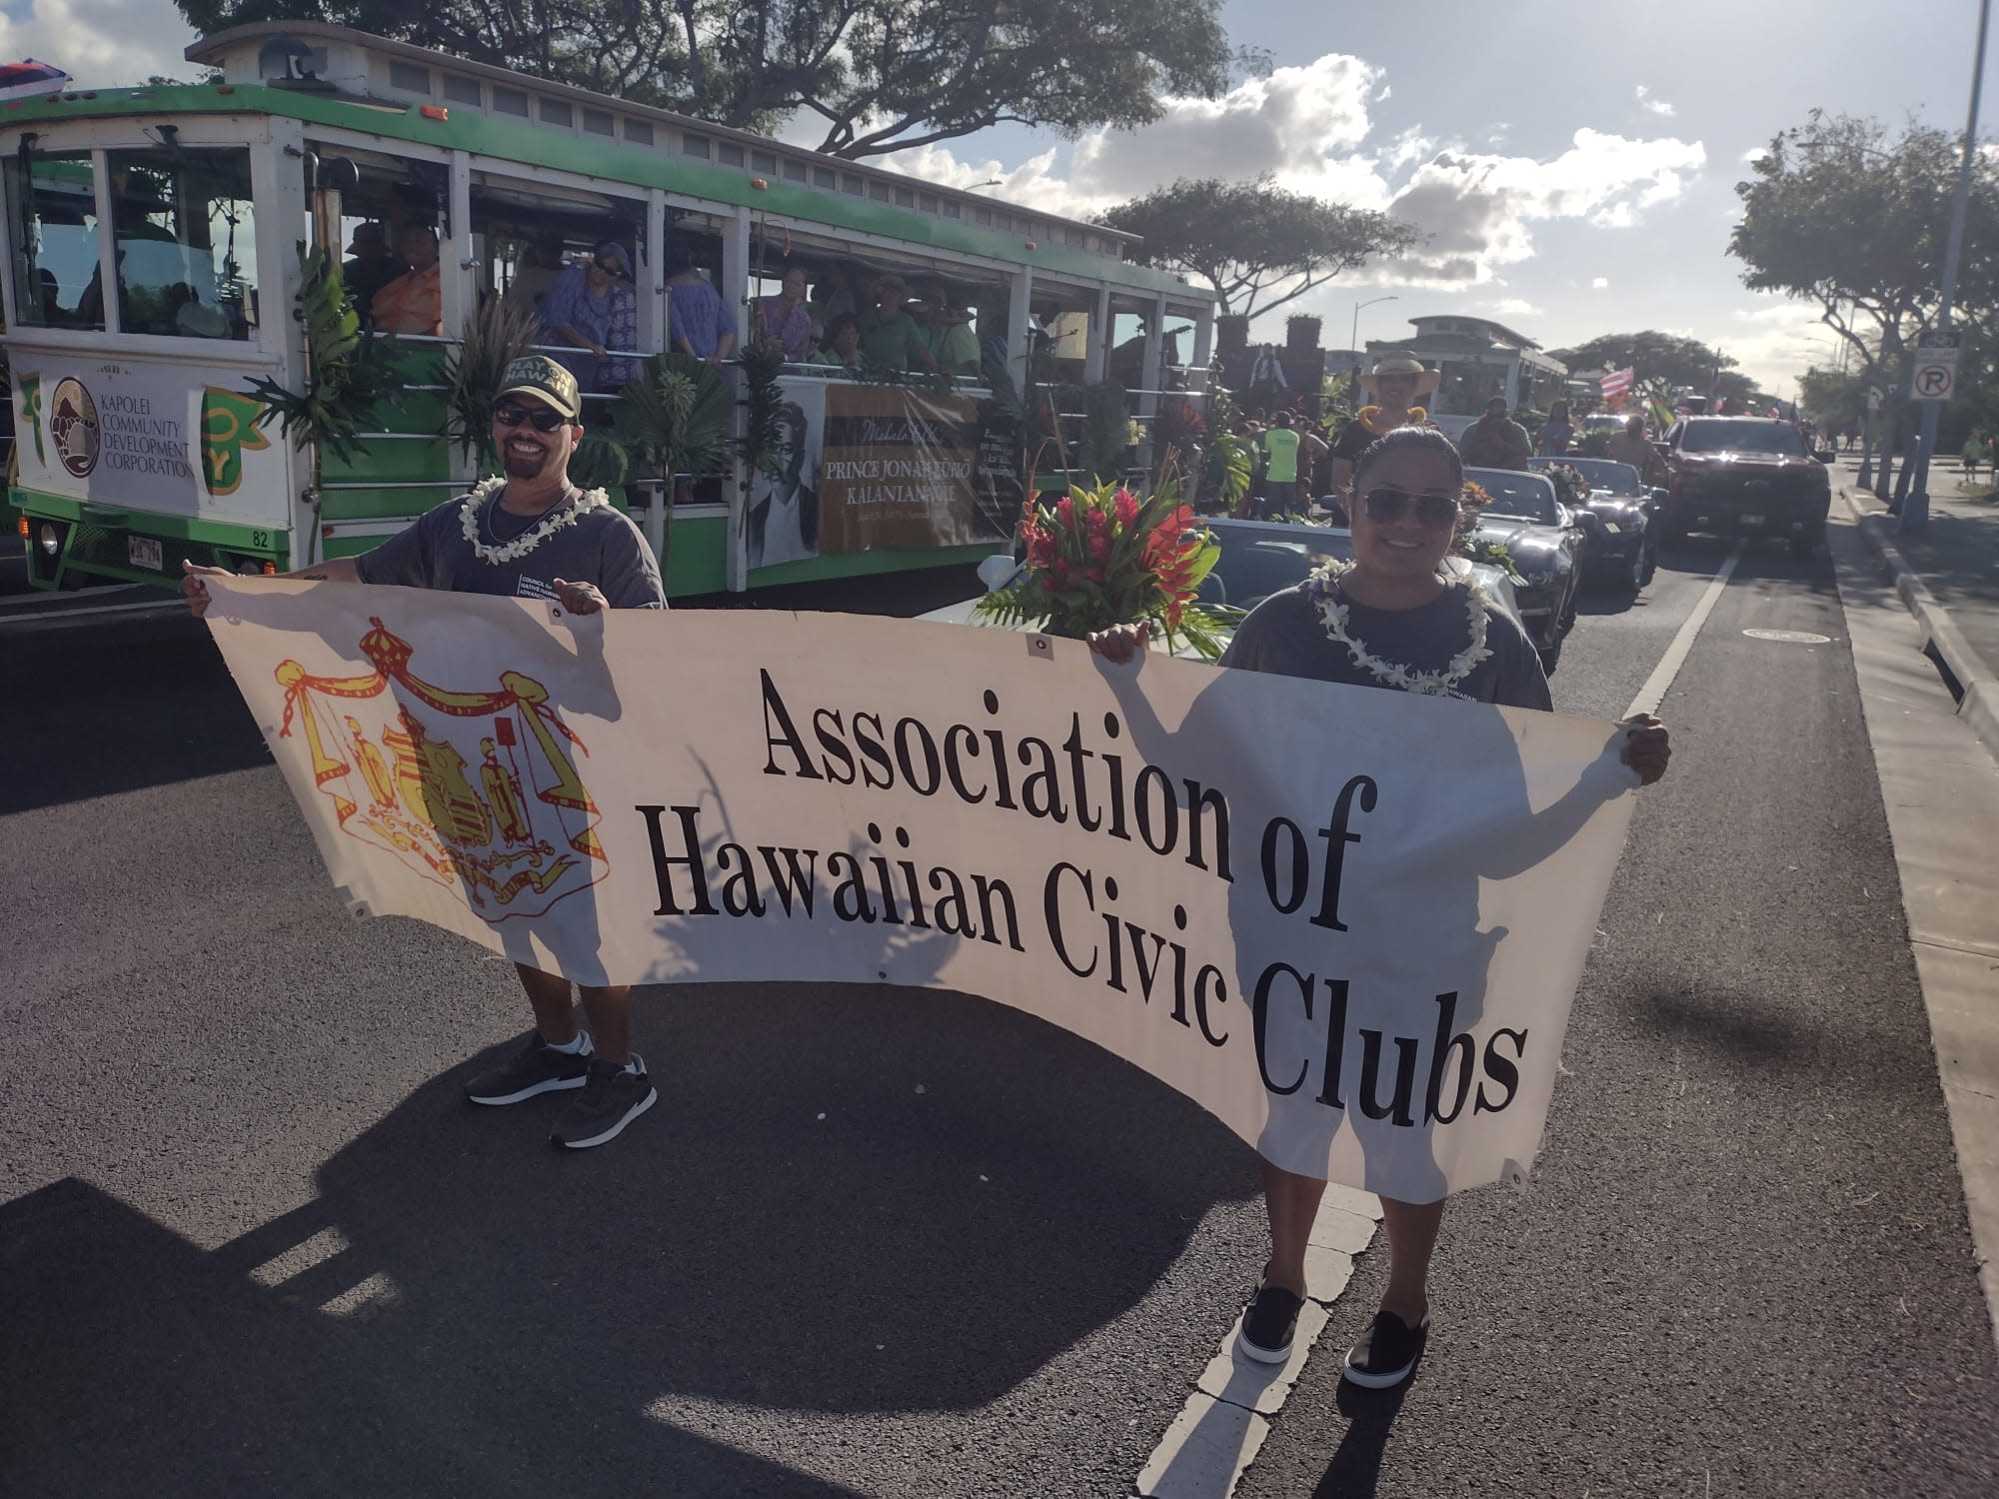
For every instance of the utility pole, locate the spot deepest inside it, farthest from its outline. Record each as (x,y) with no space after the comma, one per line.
(1916,508)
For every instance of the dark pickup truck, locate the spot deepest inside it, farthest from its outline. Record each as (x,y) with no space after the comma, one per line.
(1739,476)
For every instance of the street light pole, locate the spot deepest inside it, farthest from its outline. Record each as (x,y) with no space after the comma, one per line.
(1353,338)
(1916,507)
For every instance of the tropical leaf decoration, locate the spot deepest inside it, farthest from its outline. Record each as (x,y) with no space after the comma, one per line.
(1106,430)
(350,378)
(599,462)
(1471,545)
(763,439)
(674,418)
(1102,556)
(493,338)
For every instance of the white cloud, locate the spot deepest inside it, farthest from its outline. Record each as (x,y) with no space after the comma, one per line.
(1287,123)
(1309,127)
(1515,307)
(1754,154)
(1653,104)
(1600,283)
(1775,342)
(1478,207)
(101,43)
(1386,93)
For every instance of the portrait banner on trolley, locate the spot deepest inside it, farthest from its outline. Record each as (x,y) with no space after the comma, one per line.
(1349,923)
(870,467)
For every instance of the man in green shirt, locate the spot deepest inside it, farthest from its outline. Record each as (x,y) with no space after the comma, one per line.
(890,337)
(953,345)
(1280,446)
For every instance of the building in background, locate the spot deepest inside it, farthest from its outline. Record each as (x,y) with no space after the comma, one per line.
(1479,359)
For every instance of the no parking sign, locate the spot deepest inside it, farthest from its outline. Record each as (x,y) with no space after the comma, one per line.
(1935,374)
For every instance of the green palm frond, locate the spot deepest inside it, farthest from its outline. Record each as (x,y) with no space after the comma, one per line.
(493,338)
(350,380)
(675,416)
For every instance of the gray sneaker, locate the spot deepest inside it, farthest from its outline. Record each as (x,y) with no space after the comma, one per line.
(611,1099)
(534,1069)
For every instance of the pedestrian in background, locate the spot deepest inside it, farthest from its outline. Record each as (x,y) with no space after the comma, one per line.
(1556,433)
(1495,440)
(1280,446)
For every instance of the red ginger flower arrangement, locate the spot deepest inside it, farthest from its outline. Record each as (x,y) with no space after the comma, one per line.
(1103,556)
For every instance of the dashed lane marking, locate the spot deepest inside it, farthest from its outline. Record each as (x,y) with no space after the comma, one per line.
(1653,692)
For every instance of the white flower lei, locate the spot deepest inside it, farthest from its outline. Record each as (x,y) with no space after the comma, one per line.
(565,515)
(1443,683)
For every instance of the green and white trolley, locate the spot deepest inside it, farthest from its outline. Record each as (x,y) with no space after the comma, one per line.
(136,432)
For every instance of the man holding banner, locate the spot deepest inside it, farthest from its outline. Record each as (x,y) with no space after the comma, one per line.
(532,535)
(1391,619)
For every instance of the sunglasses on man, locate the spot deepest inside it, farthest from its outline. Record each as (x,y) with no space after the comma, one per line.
(541,418)
(1387,505)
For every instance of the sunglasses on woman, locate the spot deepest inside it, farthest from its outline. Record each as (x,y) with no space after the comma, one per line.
(542,418)
(1387,505)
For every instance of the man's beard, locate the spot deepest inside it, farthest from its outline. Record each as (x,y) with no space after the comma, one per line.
(520,466)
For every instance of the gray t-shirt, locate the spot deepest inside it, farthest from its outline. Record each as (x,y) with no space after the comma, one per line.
(1284,634)
(600,546)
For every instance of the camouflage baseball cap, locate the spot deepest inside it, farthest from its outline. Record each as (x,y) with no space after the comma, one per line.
(548,382)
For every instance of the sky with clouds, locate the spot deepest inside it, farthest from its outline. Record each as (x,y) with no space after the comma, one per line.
(1571,163)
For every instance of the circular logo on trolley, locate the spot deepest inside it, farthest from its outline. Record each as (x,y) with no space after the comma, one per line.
(73,425)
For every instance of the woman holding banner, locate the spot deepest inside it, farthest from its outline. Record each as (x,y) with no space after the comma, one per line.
(1392,619)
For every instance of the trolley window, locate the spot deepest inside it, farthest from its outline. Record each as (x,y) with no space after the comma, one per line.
(52,204)
(185,241)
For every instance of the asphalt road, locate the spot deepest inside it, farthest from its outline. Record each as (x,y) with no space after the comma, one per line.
(890,1243)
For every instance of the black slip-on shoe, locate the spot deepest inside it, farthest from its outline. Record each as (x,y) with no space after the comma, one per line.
(1387,1352)
(1268,1325)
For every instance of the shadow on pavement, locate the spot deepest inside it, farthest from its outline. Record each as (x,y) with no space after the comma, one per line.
(465,1310)
(134,705)
(1355,1471)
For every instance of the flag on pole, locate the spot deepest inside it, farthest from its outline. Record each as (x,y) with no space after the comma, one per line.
(1618,383)
(27,78)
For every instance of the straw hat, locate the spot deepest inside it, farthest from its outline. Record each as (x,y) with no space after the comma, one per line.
(1402,364)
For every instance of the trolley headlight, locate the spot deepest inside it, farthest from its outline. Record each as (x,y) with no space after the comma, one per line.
(50,538)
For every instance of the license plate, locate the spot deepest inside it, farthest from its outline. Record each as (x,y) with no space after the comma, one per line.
(144,551)
(1751,520)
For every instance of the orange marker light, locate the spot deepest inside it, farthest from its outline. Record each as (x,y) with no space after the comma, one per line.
(270,569)
(24,527)
(435,112)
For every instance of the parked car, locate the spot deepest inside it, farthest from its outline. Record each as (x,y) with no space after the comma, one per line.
(1545,542)
(1258,558)
(1624,546)
(1740,476)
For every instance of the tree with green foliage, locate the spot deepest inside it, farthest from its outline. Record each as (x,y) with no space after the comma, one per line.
(881,75)
(1834,399)
(1842,214)
(1258,246)
(1677,360)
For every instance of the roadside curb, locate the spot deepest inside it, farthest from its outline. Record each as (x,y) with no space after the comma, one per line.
(1979,707)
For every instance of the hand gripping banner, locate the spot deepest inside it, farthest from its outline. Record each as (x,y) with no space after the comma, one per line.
(1347,922)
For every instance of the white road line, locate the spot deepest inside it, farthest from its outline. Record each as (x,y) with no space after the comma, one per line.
(1653,692)
(1221,1428)
(27,622)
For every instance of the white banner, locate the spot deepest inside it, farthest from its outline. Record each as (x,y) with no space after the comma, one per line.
(163,437)
(1347,922)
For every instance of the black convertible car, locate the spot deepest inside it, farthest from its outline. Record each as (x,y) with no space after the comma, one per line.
(1623,542)
(1544,543)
